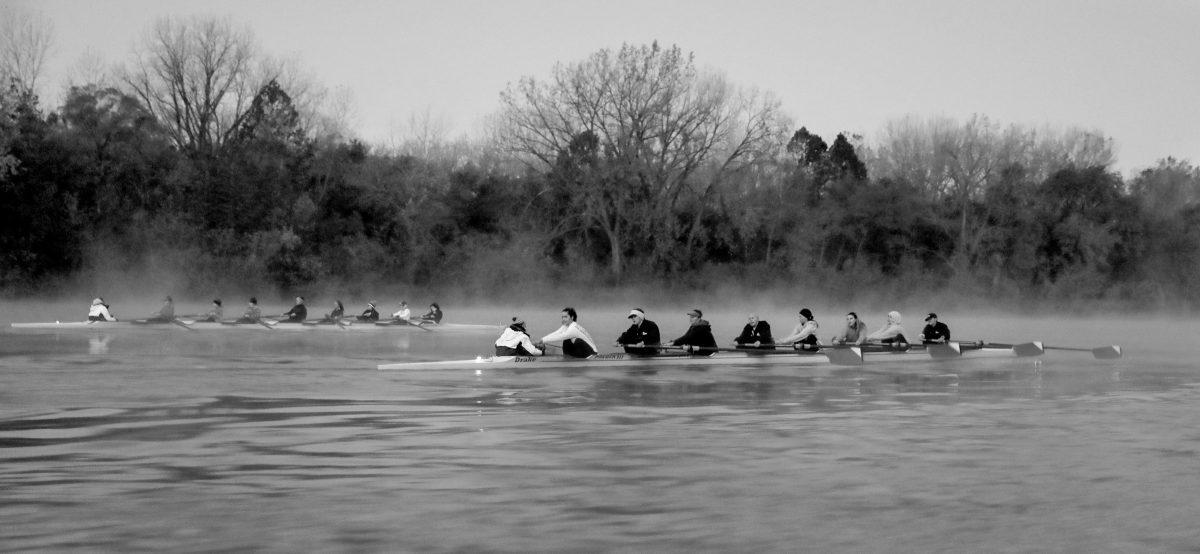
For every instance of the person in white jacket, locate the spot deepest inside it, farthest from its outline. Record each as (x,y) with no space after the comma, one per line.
(577,343)
(99,311)
(404,313)
(515,341)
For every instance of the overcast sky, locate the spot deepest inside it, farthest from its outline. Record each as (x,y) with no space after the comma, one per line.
(1128,69)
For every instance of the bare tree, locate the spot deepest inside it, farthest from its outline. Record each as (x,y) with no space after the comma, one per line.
(198,76)
(959,161)
(25,40)
(642,121)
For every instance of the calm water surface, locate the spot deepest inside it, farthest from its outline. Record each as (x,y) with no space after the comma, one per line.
(189,441)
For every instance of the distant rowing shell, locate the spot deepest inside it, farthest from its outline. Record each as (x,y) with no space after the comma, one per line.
(268,325)
(839,356)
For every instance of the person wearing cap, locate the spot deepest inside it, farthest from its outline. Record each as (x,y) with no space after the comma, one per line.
(369,314)
(804,336)
(99,311)
(642,336)
(855,331)
(253,313)
(215,313)
(935,332)
(891,334)
(576,341)
(699,334)
(403,314)
(515,341)
(434,315)
(165,313)
(298,313)
(756,334)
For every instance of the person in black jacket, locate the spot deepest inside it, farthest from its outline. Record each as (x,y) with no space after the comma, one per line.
(756,334)
(699,335)
(935,332)
(369,314)
(640,336)
(298,313)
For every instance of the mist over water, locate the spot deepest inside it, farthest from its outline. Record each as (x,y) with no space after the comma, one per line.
(168,439)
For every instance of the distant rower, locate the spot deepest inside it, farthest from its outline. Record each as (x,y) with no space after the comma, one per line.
(369,314)
(165,314)
(434,315)
(298,313)
(99,311)
(891,334)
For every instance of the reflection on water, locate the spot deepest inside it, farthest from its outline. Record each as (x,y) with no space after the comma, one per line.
(297,444)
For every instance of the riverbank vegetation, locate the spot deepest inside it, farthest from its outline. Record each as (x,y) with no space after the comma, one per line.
(203,160)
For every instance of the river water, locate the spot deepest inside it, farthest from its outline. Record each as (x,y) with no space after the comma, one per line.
(170,440)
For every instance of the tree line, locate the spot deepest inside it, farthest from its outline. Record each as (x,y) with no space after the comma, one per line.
(629,166)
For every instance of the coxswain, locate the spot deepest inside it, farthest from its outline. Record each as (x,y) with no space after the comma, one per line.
(99,311)
(369,314)
(165,314)
(756,334)
(642,337)
(855,331)
(515,341)
(434,315)
(891,334)
(253,313)
(804,336)
(935,332)
(699,337)
(576,342)
(298,313)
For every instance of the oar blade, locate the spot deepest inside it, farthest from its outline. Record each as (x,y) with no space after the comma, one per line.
(844,356)
(1107,352)
(946,351)
(1029,349)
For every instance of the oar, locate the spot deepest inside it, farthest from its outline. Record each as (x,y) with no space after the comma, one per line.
(180,323)
(1036,348)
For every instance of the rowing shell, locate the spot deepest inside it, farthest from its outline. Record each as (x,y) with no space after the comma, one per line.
(835,356)
(348,325)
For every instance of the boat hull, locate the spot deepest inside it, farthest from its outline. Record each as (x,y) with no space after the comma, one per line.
(267,326)
(845,357)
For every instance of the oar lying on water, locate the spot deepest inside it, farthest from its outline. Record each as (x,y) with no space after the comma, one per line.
(1110,352)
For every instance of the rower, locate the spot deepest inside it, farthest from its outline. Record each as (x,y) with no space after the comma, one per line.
(855,331)
(935,332)
(577,343)
(99,311)
(642,336)
(165,314)
(404,313)
(891,334)
(756,334)
(515,341)
(298,313)
(253,313)
(434,315)
(337,313)
(804,336)
(215,313)
(369,314)
(698,336)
